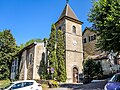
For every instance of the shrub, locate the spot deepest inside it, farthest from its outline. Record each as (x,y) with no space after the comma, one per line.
(52,83)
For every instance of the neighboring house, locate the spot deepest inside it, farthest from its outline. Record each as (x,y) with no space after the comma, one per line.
(90,51)
(89,40)
(30,58)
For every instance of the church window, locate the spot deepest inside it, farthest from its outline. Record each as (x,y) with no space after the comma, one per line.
(30,58)
(74,30)
(14,66)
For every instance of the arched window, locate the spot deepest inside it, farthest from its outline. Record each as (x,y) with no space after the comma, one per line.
(30,58)
(74,30)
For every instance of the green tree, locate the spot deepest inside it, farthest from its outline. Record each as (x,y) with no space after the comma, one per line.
(7,52)
(28,43)
(61,56)
(51,47)
(89,67)
(98,70)
(43,67)
(105,16)
(92,68)
(32,41)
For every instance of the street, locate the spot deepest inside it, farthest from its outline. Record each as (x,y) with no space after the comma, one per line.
(94,85)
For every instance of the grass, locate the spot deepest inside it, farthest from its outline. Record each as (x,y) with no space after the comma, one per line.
(4,83)
(44,87)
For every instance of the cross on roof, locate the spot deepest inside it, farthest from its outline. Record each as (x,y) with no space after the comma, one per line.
(67,1)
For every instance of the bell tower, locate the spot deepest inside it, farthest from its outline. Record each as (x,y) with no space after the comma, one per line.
(72,28)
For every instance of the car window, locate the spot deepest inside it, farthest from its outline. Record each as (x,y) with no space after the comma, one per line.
(16,86)
(25,84)
(115,78)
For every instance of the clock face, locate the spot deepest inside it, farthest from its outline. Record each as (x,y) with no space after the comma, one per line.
(74,42)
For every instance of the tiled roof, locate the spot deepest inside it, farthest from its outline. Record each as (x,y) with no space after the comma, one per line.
(68,12)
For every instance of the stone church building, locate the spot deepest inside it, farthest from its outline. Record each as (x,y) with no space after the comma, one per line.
(72,28)
(31,56)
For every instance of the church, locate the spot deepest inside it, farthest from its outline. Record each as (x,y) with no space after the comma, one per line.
(72,28)
(29,58)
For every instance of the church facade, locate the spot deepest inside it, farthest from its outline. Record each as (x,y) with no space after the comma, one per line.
(31,55)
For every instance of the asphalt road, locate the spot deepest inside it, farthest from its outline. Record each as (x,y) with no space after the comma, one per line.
(94,85)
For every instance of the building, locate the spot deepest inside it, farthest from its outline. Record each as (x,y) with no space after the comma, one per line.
(91,52)
(30,57)
(89,40)
(72,29)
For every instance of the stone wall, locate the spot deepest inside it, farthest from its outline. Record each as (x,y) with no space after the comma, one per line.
(30,65)
(39,51)
(22,66)
(74,49)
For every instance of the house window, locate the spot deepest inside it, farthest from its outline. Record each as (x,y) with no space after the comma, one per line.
(92,37)
(59,28)
(30,58)
(85,40)
(74,30)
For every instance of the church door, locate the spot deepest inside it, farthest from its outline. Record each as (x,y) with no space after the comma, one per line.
(75,75)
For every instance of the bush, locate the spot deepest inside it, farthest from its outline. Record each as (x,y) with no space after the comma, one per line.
(4,83)
(52,83)
(93,69)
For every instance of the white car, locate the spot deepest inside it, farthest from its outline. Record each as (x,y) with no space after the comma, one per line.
(24,85)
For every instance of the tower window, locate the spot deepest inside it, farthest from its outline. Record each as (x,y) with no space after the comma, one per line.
(74,30)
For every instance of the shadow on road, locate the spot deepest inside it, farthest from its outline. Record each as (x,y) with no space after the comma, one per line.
(94,85)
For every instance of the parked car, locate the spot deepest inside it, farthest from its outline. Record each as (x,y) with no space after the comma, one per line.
(113,83)
(87,79)
(24,85)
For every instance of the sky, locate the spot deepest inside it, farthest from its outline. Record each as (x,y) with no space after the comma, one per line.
(32,19)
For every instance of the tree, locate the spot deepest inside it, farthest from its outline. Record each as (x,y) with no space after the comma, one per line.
(98,70)
(51,47)
(61,56)
(105,16)
(89,67)
(32,41)
(28,43)
(7,52)
(43,67)
(92,68)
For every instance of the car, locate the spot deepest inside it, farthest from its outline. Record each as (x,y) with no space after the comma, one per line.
(24,85)
(113,83)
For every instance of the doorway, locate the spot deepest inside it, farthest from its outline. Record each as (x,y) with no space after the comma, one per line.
(75,75)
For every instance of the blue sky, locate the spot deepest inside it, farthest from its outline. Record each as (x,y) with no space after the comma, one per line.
(31,19)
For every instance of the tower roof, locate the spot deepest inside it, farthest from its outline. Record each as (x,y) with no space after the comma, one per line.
(68,12)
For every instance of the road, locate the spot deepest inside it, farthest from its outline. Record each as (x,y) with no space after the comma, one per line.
(94,85)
